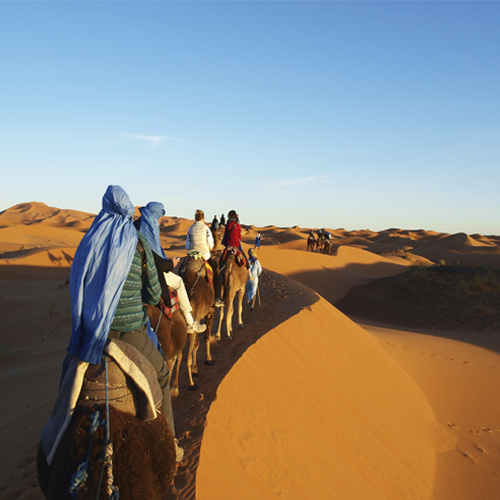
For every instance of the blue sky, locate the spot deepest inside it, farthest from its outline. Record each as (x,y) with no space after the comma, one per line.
(318,114)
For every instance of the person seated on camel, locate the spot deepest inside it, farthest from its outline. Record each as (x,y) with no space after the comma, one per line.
(108,285)
(232,236)
(148,225)
(215,224)
(200,238)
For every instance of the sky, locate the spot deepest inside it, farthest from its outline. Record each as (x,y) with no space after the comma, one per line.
(355,115)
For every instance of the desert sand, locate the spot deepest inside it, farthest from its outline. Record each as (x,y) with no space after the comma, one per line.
(391,394)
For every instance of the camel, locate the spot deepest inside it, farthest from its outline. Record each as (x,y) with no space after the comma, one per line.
(320,244)
(334,250)
(172,335)
(311,243)
(201,295)
(143,452)
(327,246)
(234,279)
(217,249)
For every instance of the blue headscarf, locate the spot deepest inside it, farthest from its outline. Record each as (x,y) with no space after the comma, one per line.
(101,266)
(149,227)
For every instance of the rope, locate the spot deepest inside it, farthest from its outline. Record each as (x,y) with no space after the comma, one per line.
(81,475)
(159,319)
(107,455)
(191,290)
(79,478)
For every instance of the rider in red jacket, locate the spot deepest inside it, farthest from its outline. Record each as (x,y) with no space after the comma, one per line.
(232,234)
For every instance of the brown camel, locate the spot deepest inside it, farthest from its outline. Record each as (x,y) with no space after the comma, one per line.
(201,295)
(172,335)
(320,244)
(217,249)
(334,250)
(311,243)
(327,246)
(143,456)
(234,279)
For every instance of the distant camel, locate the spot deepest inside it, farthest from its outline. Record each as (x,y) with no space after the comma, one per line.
(320,244)
(334,250)
(327,246)
(143,453)
(172,335)
(234,279)
(217,249)
(311,243)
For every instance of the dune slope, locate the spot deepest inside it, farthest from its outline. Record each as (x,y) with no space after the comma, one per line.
(316,409)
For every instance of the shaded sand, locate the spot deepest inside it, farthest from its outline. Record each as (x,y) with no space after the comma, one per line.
(305,403)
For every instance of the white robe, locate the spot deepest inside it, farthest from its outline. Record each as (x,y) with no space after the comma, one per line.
(251,287)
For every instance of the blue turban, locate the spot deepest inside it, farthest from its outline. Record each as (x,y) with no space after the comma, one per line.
(149,227)
(101,265)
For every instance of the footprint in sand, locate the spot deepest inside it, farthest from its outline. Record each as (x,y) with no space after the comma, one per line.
(454,426)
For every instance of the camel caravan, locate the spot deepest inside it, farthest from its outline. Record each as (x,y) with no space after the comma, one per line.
(111,433)
(322,241)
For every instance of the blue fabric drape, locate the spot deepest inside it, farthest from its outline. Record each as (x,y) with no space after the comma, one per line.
(149,227)
(101,266)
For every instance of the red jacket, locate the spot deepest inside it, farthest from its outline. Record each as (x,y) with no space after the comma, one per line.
(232,235)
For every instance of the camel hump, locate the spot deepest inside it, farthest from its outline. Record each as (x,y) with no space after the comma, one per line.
(195,263)
(132,382)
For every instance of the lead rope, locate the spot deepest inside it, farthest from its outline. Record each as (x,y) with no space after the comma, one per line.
(159,319)
(79,478)
(191,290)
(107,459)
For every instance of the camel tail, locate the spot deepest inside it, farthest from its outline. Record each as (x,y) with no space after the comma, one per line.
(212,339)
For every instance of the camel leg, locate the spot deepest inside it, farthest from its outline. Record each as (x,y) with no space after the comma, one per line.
(174,386)
(192,385)
(229,316)
(194,368)
(209,338)
(241,292)
(221,317)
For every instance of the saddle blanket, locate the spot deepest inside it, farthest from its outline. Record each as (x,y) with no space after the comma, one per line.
(67,399)
(174,304)
(240,258)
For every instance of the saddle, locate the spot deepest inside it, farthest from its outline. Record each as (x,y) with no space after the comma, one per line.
(132,387)
(131,381)
(239,257)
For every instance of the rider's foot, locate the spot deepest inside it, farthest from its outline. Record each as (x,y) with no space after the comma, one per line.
(179,451)
(218,303)
(196,327)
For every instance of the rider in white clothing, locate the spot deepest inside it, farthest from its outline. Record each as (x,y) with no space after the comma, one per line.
(199,236)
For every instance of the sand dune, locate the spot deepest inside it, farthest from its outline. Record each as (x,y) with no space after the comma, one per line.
(305,403)
(316,409)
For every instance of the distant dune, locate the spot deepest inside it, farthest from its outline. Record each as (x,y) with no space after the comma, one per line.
(307,402)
